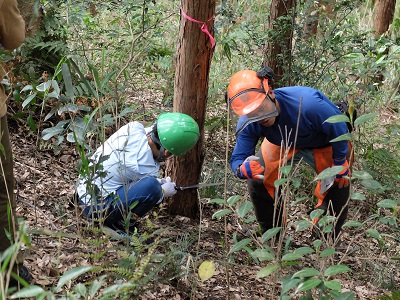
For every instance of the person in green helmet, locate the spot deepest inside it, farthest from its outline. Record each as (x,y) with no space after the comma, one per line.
(122,182)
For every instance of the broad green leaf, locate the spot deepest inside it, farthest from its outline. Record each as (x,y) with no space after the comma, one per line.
(337,119)
(280,182)
(296,182)
(317,243)
(96,285)
(28,100)
(217,201)
(291,256)
(206,270)
(329,172)
(270,233)
(343,296)
(352,224)
(302,225)
(263,254)
(337,269)
(316,213)
(43,86)
(69,88)
(285,169)
(268,270)
(293,203)
(48,133)
(304,250)
(70,107)
(28,292)
(325,220)
(374,233)
(306,272)
(56,90)
(371,184)
(125,111)
(117,287)
(239,245)
(343,137)
(72,274)
(107,78)
(287,285)
(364,118)
(233,199)
(27,88)
(333,285)
(361,175)
(387,203)
(327,252)
(308,285)
(221,213)
(80,289)
(244,208)
(354,55)
(357,196)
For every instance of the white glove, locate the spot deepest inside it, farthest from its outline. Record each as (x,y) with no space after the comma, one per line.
(161,180)
(168,188)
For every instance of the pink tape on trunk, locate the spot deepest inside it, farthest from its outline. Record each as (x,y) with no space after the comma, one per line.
(203,28)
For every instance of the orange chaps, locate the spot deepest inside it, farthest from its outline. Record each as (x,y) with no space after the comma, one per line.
(274,158)
(262,194)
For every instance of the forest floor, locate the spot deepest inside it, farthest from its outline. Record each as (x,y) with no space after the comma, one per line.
(45,184)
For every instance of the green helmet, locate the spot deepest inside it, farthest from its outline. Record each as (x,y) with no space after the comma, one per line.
(177,132)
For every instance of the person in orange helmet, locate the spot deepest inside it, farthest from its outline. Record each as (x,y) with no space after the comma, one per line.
(293,119)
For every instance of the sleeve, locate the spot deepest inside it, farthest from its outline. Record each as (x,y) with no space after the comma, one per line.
(245,145)
(12,25)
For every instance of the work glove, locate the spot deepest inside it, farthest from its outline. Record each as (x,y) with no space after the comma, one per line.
(161,180)
(168,188)
(251,168)
(340,177)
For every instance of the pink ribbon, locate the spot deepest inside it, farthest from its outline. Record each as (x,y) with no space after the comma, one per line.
(203,28)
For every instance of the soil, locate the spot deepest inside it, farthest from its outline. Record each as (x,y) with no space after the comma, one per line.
(62,240)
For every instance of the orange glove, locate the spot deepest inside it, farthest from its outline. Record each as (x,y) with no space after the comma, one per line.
(340,177)
(251,168)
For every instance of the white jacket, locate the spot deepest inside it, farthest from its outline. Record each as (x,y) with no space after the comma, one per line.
(130,159)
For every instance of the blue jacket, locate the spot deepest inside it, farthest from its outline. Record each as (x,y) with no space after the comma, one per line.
(312,132)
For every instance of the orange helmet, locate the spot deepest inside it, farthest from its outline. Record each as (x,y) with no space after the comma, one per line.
(247,92)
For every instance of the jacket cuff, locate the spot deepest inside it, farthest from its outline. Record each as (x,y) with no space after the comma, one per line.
(339,162)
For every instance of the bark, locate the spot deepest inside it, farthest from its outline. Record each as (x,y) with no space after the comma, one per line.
(193,59)
(278,51)
(383,16)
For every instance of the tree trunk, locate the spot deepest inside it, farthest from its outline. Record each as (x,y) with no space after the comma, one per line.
(277,54)
(383,16)
(193,59)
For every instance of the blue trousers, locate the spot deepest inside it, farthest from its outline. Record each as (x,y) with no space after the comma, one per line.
(136,197)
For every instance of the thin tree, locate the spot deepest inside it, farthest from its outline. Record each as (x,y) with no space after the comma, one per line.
(193,59)
(383,16)
(277,53)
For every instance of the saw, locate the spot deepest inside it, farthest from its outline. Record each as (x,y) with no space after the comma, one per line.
(197,186)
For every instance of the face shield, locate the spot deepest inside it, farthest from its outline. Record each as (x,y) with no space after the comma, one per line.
(257,111)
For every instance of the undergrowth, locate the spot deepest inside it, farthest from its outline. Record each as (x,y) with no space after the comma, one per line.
(75,94)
